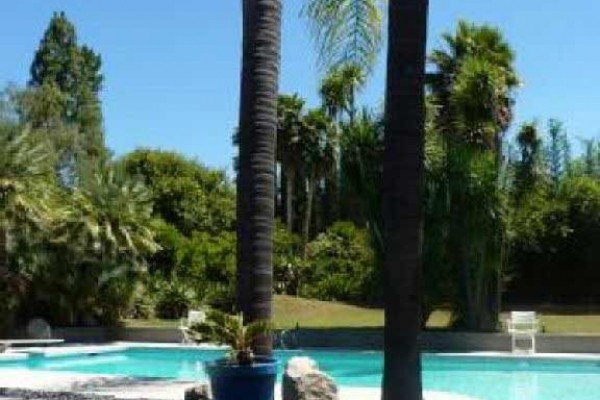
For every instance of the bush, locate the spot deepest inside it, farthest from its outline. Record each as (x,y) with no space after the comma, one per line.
(287,262)
(340,265)
(143,304)
(221,296)
(173,299)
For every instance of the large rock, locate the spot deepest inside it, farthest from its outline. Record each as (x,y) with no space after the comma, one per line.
(302,380)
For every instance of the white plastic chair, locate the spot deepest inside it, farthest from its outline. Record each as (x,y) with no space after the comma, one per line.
(523,325)
(194,317)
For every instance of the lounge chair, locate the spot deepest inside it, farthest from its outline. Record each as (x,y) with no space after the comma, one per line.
(194,317)
(523,325)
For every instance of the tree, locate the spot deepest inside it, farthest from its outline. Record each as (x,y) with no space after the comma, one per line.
(185,193)
(338,96)
(68,81)
(402,177)
(558,153)
(258,128)
(529,168)
(338,91)
(289,115)
(473,89)
(591,159)
(25,200)
(361,180)
(474,83)
(24,173)
(102,245)
(317,146)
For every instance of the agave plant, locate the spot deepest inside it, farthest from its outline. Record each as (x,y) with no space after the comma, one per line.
(224,329)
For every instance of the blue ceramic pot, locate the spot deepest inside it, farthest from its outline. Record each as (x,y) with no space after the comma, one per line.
(242,382)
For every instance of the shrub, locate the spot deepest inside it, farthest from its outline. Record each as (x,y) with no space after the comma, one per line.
(173,299)
(143,304)
(287,262)
(340,265)
(221,296)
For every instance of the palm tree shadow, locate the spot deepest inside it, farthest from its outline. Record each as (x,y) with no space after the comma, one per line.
(98,385)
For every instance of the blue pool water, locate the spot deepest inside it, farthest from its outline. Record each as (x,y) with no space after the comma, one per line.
(487,378)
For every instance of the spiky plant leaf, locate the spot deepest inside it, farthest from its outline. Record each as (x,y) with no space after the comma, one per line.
(224,329)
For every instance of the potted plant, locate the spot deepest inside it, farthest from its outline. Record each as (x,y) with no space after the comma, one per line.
(240,375)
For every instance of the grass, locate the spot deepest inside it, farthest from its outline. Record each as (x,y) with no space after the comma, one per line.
(289,311)
(307,313)
(151,323)
(562,324)
(323,314)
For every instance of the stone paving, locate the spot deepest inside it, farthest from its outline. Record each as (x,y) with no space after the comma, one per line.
(69,386)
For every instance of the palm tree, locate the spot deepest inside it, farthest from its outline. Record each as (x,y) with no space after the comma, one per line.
(25,202)
(256,180)
(402,177)
(472,89)
(111,219)
(25,170)
(338,97)
(317,144)
(361,164)
(105,236)
(289,112)
(475,74)
(339,88)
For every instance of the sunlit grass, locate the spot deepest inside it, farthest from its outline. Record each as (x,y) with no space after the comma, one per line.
(290,312)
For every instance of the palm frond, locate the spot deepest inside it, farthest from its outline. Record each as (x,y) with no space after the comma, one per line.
(345,31)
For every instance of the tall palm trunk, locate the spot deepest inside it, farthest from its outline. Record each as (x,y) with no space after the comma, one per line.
(310,191)
(256,179)
(403,166)
(289,208)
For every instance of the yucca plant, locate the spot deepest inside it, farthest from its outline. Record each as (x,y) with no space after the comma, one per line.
(225,329)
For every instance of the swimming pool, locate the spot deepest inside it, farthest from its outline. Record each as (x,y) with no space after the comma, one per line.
(486,378)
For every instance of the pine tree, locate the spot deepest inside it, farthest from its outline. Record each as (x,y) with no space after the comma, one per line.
(73,73)
(558,153)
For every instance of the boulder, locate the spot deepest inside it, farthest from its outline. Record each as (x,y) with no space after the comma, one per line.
(197,393)
(302,380)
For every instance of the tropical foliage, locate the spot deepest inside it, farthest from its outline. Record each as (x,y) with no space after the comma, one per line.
(88,239)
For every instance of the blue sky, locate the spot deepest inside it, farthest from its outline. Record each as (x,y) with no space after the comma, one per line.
(172,67)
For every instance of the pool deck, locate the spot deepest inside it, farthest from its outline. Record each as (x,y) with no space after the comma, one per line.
(147,388)
(154,389)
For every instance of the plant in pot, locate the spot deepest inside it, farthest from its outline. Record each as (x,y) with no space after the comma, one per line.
(240,375)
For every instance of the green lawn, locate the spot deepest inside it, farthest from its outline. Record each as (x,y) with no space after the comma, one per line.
(322,314)
(583,324)
(307,313)
(289,311)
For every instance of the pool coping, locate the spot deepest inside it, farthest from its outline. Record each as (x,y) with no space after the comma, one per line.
(21,353)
